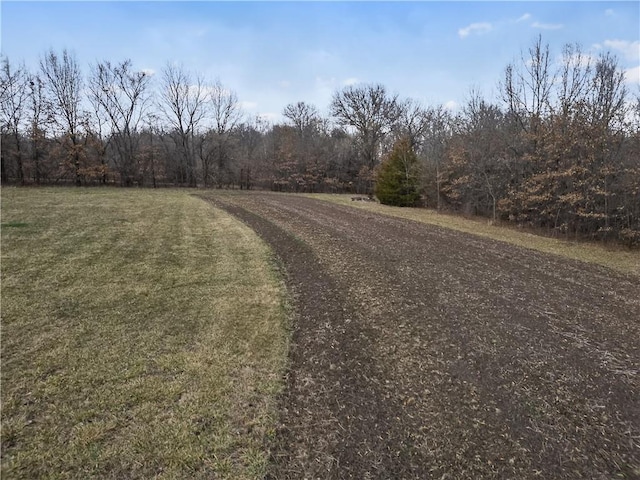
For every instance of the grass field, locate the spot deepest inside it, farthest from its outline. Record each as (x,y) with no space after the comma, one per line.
(144,335)
(620,259)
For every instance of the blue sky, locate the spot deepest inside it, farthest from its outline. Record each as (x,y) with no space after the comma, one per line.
(275,53)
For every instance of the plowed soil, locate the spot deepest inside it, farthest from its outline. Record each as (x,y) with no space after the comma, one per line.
(421,352)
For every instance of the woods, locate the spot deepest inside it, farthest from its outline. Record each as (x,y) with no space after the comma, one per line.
(558,149)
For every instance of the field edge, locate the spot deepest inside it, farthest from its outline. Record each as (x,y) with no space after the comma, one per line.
(622,260)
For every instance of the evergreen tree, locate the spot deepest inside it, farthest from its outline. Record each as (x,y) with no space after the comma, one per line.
(398,178)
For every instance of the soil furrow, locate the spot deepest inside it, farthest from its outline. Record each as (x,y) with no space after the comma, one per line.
(420,352)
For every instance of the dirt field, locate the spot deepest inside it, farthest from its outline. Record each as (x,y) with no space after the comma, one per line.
(421,352)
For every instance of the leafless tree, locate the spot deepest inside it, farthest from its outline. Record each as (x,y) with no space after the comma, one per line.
(527,87)
(306,147)
(122,95)
(609,94)
(63,80)
(13,98)
(226,112)
(183,100)
(39,117)
(413,122)
(303,116)
(485,146)
(575,75)
(609,110)
(574,131)
(371,111)
(250,137)
(151,148)
(225,107)
(98,127)
(437,131)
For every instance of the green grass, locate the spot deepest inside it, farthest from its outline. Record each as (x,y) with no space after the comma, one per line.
(620,259)
(144,335)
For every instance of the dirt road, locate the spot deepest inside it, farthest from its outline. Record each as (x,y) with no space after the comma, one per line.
(420,352)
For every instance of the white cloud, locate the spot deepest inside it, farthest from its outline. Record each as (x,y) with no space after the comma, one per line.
(582,59)
(524,17)
(324,83)
(284,83)
(202,90)
(269,117)
(632,75)
(609,12)
(321,55)
(630,50)
(217,90)
(324,89)
(475,28)
(451,105)
(350,81)
(547,26)
(248,105)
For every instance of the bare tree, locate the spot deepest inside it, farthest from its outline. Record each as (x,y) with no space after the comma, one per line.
(609,110)
(529,91)
(251,144)
(413,122)
(307,145)
(485,147)
(303,116)
(183,102)
(573,132)
(63,80)
(609,93)
(121,94)
(371,111)
(13,97)
(99,129)
(527,87)
(226,112)
(435,138)
(225,107)
(151,148)
(38,120)
(575,74)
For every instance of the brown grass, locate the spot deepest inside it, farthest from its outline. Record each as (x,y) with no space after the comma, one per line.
(143,336)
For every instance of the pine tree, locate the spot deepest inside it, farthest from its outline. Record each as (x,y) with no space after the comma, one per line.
(398,179)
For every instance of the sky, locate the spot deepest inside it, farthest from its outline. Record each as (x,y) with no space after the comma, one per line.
(275,53)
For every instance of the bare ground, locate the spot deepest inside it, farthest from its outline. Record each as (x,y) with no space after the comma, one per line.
(421,352)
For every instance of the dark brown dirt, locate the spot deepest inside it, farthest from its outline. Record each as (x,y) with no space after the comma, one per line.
(420,352)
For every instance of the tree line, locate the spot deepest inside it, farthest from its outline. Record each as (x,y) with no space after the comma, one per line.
(558,149)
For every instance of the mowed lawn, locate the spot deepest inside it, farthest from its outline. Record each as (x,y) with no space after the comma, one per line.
(144,335)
